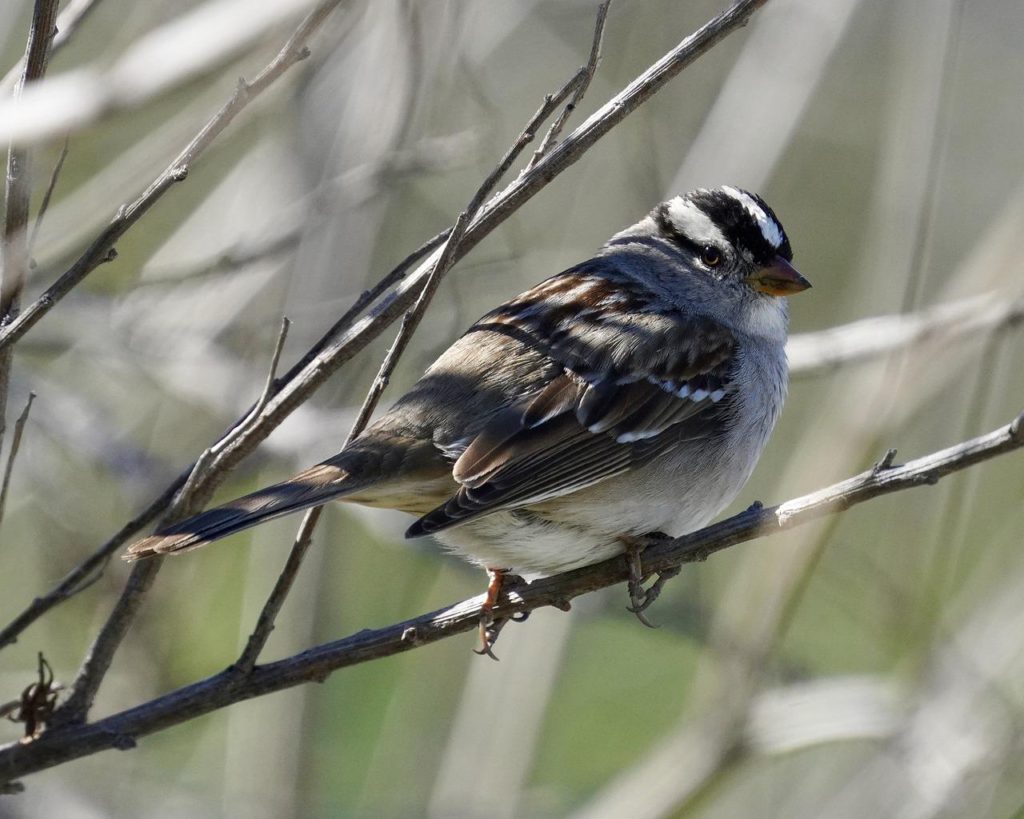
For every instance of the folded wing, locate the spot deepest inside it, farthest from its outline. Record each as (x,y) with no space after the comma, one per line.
(634,379)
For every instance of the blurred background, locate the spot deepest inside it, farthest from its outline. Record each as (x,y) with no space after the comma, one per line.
(868,665)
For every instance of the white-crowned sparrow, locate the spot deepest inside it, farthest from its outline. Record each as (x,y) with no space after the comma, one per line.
(629,394)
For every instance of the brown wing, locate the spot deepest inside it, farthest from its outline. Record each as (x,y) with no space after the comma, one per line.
(635,380)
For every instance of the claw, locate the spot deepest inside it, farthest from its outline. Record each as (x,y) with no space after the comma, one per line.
(635,584)
(639,597)
(652,594)
(489,632)
(490,627)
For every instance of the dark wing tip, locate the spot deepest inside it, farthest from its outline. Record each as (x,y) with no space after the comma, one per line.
(431,522)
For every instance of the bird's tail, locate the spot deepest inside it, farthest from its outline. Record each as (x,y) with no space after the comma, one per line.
(345,474)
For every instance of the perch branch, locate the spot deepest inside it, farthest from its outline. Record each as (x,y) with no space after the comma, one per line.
(123,729)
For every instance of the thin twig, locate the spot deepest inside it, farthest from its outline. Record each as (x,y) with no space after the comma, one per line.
(67,24)
(18,194)
(18,181)
(272,607)
(19,428)
(332,351)
(58,745)
(268,389)
(293,51)
(44,205)
(581,83)
(208,455)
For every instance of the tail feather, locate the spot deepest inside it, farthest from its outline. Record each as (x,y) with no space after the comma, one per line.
(377,469)
(315,486)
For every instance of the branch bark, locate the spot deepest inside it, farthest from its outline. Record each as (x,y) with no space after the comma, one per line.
(67,24)
(121,730)
(18,192)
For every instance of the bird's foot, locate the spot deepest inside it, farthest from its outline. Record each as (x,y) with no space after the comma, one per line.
(639,597)
(491,626)
(654,591)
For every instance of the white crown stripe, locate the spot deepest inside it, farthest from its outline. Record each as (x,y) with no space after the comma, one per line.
(691,221)
(769,227)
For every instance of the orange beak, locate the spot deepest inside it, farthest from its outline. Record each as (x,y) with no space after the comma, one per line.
(779,278)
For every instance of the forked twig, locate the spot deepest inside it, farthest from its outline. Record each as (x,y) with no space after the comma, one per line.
(580,83)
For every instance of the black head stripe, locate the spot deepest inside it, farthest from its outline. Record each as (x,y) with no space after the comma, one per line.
(739,225)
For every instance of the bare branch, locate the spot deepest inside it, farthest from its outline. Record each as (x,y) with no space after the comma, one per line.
(18,192)
(293,51)
(60,744)
(19,428)
(96,663)
(819,352)
(204,461)
(268,387)
(18,186)
(67,24)
(581,82)
(44,205)
(272,607)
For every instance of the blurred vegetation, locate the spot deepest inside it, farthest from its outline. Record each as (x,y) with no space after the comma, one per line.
(867,665)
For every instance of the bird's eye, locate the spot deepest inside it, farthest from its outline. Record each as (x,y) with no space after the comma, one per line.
(710,255)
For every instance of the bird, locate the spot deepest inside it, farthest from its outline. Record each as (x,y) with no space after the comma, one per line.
(628,395)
